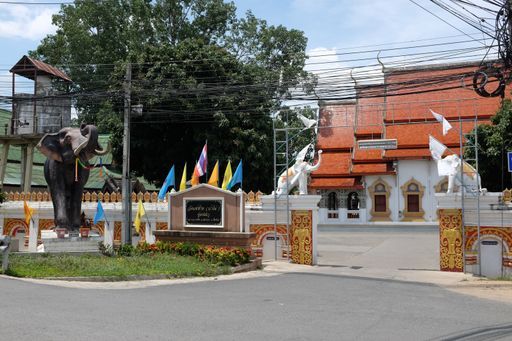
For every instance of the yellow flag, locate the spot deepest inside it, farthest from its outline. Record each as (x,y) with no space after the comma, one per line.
(28,212)
(140,213)
(183,183)
(214,178)
(227,176)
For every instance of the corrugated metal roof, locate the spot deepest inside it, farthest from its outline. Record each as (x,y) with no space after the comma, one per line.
(20,68)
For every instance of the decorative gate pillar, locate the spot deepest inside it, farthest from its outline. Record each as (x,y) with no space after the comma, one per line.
(301,239)
(450,240)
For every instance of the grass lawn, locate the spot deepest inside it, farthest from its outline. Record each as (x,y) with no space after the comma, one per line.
(62,265)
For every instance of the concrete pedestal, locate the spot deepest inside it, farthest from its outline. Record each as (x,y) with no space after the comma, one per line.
(73,244)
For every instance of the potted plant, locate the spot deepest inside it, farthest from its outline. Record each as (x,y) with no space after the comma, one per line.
(84,231)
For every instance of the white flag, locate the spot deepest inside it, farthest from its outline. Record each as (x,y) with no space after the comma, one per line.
(308,123)
(440,118)
(436,148)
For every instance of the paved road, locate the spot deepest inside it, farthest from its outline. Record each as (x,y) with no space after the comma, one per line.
(291,306)
(381,247)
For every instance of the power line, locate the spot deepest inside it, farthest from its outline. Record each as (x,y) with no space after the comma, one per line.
(443,20)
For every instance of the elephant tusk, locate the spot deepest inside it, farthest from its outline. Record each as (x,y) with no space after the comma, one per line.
(102,152)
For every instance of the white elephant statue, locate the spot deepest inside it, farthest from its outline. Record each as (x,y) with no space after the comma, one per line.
(450,166)
(298,174)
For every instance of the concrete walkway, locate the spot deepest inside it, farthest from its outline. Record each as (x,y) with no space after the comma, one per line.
(412,247)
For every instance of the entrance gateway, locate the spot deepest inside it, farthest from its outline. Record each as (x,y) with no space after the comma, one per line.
(483,250)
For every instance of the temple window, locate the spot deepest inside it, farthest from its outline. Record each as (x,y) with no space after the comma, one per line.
(379,193)
(412,192)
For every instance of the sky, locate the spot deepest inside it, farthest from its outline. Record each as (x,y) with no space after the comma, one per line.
(329,25)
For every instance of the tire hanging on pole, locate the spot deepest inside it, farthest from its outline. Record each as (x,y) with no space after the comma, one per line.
(481,79)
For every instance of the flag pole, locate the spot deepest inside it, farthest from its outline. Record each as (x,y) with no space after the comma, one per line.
(145,214)
(242,205)
(105,216)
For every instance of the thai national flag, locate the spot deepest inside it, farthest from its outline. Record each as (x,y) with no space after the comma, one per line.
(202,164)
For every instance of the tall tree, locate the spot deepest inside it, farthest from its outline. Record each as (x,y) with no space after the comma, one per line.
(494,141)
(200,72)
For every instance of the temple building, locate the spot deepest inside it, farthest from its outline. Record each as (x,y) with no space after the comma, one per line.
(376,164)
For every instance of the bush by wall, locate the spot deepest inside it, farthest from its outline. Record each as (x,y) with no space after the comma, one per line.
(213,254)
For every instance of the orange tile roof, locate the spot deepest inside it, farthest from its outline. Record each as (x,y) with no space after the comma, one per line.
(336,127)
(339,183)
(374,131)
(341,138)
(370,111)
(415,135)
(372,168)
(365,155)
(454,95)
(415,153)
(334,164)
(445,89)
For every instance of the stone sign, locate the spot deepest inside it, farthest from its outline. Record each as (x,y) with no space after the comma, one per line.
(204,212)
(207,215)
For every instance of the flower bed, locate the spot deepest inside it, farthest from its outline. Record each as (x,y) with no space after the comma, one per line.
(208,253)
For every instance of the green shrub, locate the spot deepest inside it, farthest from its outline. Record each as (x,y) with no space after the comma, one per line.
(212,254)
(126,250)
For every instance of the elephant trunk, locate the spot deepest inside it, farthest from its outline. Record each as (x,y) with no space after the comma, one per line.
(90,142)
(315,167)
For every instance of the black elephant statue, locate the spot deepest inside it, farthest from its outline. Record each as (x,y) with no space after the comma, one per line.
(65,180)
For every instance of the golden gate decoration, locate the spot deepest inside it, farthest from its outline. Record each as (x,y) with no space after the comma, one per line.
(161,225)
(117,231)
(450,240)
(301,232)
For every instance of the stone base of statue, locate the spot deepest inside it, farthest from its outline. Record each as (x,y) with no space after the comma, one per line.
(71,242)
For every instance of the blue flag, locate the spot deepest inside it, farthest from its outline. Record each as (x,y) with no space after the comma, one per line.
(237,177)
(100,214)
(169,181)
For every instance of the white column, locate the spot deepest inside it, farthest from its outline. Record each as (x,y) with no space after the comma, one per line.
(108,234)
(242,208)
(32,240)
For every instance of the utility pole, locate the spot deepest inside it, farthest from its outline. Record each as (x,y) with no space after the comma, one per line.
(126,184)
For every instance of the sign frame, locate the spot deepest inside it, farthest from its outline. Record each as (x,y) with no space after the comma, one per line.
(382,144)
(221,199)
